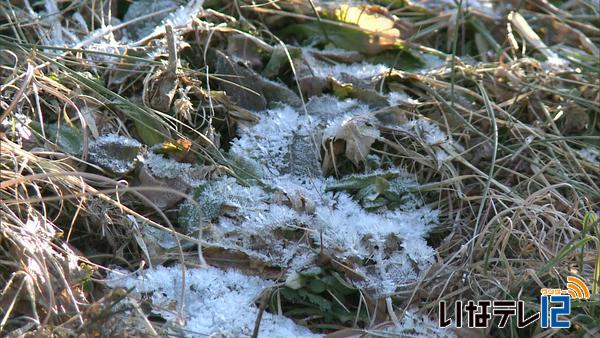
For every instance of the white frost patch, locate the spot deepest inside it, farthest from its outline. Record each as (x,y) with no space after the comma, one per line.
(590,154)
(162,167)
(414,325)
(396,98)
(216,303)
(269,141)
(343,224)
(184,15)
(355,232)
(361,70)
(252,217)
(427,131)
(17,125)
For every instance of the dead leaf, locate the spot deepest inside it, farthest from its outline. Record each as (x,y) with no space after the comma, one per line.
(161,199)
(160,88)
(244,50)
(576,119)
(240,83)
(358,138)
(379,31)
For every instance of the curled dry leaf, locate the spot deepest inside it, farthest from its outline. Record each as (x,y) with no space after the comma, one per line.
(160,88)
(357,136)
(296,201)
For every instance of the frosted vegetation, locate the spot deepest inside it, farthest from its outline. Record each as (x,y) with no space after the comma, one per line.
(273,181)
(257,219)
(263,218)
(216,303)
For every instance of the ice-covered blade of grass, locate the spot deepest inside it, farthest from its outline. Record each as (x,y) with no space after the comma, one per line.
(217,303)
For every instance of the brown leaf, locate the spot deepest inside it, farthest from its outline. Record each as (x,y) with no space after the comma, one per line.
(358,137)
(576,119)
(240,84)
(161,199)
(160,88)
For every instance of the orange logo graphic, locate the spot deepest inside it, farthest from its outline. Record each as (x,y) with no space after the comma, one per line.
(577,289)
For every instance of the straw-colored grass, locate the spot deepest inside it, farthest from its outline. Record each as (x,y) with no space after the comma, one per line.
(519,206)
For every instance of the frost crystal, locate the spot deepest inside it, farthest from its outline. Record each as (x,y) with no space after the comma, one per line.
(414,325)
(254,226)
(114,152)
(269,142)
(590,154)
(427,131)
(19,124)
(217,303)
(361,70)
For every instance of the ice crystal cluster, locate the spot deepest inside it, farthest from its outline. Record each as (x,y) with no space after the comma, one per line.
(217,303)
(248,218)
(267,220)
(114,152)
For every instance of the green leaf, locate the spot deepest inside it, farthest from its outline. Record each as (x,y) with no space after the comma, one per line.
(150,130)
(279,60)
(316,286)
(381,185)
(69,139)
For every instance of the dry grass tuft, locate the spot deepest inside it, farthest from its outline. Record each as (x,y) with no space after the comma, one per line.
(519,202)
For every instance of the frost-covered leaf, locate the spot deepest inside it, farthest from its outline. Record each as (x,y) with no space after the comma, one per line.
(115,153)
(357,135)
(159,171)
(157,196)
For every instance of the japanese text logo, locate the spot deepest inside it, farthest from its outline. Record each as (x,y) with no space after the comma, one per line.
(555,307)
